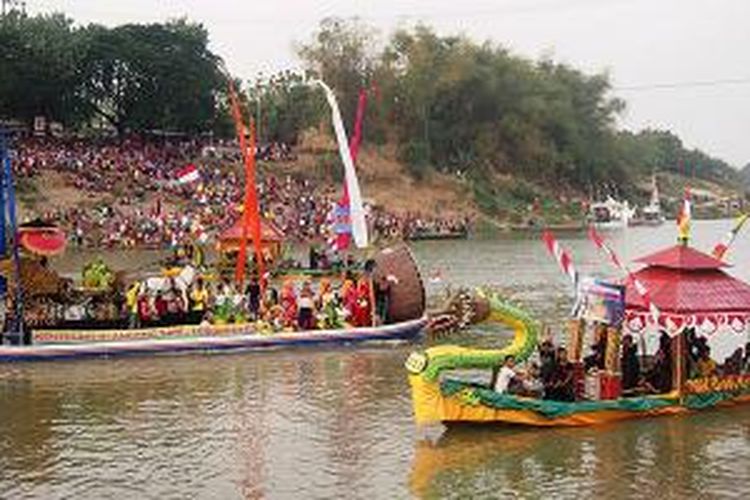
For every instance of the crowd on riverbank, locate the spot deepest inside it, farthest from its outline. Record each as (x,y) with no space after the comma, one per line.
(139,200)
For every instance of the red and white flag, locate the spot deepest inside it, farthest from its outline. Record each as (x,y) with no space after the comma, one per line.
(189,173)
(640,288)
(561,256)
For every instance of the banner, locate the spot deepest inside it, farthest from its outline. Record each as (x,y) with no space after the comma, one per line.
(601,301)
(356,208)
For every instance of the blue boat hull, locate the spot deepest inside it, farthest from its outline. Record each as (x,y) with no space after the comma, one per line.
(407,330)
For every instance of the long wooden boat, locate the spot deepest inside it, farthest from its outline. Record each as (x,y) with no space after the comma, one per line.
(405,321)
(73,344)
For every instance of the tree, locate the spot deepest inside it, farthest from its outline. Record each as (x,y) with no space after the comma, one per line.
(38,63)
(156,76)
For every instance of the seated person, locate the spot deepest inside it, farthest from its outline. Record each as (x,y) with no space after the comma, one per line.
(631,368)
(562,384)
(598,350)
(641,388)
(660,375)
(506,375)
(746,360)
(733,364)
(531,385)
(705,367)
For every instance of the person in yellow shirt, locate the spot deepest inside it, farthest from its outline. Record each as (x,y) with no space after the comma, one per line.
(198,301)
(131,302)
(705,366)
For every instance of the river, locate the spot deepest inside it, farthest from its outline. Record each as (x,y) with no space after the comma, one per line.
(333,423)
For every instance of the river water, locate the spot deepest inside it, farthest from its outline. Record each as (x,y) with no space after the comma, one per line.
(333,423)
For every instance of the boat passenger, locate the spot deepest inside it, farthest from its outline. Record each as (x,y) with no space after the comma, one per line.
(349,297)
(631,368)
(547,359)
(306,314)
(598,349)
(746,360)
(289,304)
(641,388)
(383,297)
(706,367)
(253,292)
(531,383)
(363,305)
(660,376)
(199,301)
(562,386)
(131,302)
(506,375)
(733,364)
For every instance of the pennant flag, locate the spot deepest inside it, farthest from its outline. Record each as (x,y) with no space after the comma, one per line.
(684,217)
(187,174)
(356,208)
(561,256)
(721,248)
(342,226)
(640,288)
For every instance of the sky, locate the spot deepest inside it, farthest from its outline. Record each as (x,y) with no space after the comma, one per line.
(679,64)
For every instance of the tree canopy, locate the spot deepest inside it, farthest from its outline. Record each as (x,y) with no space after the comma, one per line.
(133,77)
(454,105)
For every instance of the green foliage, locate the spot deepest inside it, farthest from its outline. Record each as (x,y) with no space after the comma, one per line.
(134,77)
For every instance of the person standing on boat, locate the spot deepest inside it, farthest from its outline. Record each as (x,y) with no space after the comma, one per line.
(253,293)
(563,384)
(506,375)
(198,301)
(363,305)
(306,315)
(131,303)
(631,368)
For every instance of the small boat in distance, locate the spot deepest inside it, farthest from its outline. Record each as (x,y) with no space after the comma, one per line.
(610,214)
(651,213)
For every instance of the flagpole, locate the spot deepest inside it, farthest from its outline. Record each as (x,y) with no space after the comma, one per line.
(17,325)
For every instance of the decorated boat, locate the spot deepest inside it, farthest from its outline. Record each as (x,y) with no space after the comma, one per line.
(387,304)
(405,321)
(680,298)
(610,214)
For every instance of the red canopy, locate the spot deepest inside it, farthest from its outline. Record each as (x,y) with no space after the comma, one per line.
(682,257)
(690,289)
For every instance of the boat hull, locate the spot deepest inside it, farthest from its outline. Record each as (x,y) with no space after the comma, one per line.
(467,406)
(196,340)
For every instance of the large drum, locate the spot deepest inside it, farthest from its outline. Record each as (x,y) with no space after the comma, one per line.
(396,265)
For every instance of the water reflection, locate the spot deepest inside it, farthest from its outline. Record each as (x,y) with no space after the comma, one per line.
(683,457)
(337,423)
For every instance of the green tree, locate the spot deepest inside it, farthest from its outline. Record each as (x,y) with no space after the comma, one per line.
(156,76)
(38,67)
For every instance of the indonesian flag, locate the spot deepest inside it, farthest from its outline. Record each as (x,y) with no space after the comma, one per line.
(189,173)
(684,217)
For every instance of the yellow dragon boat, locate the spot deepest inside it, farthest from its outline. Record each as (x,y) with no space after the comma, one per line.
(690,289)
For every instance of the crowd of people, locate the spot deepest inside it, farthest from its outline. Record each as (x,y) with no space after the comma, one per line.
(553,376)
(136,199)
(293,306)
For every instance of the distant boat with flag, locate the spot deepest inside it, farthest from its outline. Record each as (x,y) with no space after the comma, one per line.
(651,214)
(610,214)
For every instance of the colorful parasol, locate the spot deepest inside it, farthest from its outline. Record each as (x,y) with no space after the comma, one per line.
(42,239)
